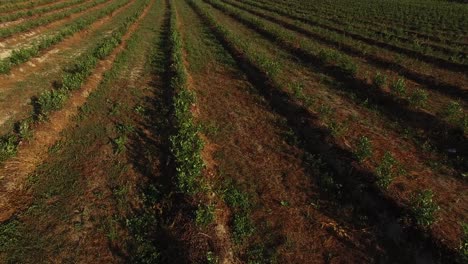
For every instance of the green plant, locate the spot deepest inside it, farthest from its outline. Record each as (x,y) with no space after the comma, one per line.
(119,143)
(236,198)
(23,129)
(452,111)
(424,208)
(211,258)
(379,80)
(464,242)
(204,214)
(348,67)
(419,98)
(8,147)
(242,227)
(298,90)
(363,148)
(398,87)
(385,170)
(48,101)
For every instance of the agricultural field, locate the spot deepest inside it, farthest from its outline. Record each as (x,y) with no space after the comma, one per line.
(233,131)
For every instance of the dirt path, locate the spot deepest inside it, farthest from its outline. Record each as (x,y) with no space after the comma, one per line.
(15,171)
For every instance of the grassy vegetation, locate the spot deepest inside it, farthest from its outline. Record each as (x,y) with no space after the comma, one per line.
(9,31)
(72,79)
(229,131)
(22,55)
(186,144)
(39,11)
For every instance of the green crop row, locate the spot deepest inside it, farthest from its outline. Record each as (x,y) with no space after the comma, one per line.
(72,79)
(385,170)
(186,145)
(11,5)
(335,60)
(38,11)
(435,17)
(382,38)
(22,55)
(9,31)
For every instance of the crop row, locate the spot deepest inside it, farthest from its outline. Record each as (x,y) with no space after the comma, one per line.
(28,25)
(19,5)
(185,143)
(370,53)
(259,68)
(386,34)
(445,56)
(337,17)
(38,11)
(435,17)
(71,80)
(340,63)
(22,55)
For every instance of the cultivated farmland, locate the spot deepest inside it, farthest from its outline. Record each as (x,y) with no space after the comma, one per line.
(233,131)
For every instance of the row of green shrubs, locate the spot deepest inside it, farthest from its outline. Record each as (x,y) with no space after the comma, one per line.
(422,205)
(11,5)
(72,79)
(38,11)
(339,61)
(9,31)
(186,145)
(22,55)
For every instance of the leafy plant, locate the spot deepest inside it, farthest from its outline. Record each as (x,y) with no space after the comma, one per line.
(204,214)
(453,110)
(424,208)
(398,87)
(211,258)
(364,148)
(236,198)
(464,243)
(242,227)
(419,98)
(48,101)
(8,147)
(119,143)
(23,129)
(379,80)
(385,171)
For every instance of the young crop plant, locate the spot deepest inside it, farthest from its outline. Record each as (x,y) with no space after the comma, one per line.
(24,54)
(8,147)
(298,90)
(23,128)
(464,243)
(453,111)
(211,258)
(398,87)
(379,80)
(419,98)
(205,214)
(242,227)
(49,101)
(424,208)
(386,170)
(186,145)
(363,148)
